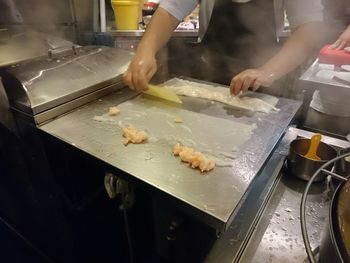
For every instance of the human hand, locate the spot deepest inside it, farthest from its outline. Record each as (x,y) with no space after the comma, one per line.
(140,71)
(251,78)
(343,40)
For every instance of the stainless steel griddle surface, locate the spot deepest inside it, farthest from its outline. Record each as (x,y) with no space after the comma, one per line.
(215,194)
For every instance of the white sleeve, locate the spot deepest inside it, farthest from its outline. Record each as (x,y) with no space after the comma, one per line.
(303,11)
(179,8)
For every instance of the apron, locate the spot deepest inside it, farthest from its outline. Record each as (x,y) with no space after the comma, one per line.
(239,36)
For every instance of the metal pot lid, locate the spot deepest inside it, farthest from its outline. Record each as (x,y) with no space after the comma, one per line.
(343,212)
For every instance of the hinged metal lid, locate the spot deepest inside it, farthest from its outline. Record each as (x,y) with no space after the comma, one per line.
(44,83)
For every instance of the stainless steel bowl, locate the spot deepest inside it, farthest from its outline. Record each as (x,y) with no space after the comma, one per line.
(304,168)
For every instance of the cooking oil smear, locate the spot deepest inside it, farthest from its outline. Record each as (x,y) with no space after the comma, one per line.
(222,159)
(104,118)
(170,124)
(210,208)
(174,178)
(148,155)
(186,128)
(137,114)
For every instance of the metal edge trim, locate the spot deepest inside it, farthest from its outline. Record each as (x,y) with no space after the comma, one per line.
(48,115)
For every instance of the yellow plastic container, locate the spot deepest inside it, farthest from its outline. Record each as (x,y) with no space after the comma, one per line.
(126,14)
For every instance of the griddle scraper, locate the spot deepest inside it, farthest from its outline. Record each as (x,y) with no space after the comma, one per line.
(162,93)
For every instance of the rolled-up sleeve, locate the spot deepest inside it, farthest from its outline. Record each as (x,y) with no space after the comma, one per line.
(300,12)
(179,8)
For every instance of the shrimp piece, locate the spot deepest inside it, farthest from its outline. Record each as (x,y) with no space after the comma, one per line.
(113,111)
(134,136)
(193,159)
(186,154)
(197,160)
(178,120)
(177,149)
(206,165)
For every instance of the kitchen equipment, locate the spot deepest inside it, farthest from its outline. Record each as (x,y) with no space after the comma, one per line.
(45,87)
(40,90)
(343,217)
(162,93)
(312,152)
(342,166)
(332,56)
(126,14)
(211,198)
(148,10)
(302,167)
(326,108)
(276,237)
(62,97)
(335,246)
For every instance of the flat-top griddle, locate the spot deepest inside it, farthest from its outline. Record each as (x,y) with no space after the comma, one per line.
(68,97)
(209,128)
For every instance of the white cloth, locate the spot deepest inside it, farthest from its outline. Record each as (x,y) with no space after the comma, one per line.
(335,101)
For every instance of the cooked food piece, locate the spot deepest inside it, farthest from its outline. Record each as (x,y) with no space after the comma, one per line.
(193,158)
(177,149)
(113,111)
(178,120)
(134,136)
(206,165)
(220,94)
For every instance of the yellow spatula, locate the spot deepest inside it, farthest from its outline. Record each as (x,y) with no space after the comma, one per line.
(162,93)
(312,152)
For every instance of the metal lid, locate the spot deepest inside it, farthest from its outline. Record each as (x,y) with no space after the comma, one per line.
(46,82)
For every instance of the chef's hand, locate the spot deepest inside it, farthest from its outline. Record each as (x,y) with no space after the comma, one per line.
(251,78)
(343,40)
(140,71)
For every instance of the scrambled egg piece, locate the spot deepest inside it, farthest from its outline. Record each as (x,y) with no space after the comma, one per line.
(193,158)
(113,111)
(178,120)
(132,135)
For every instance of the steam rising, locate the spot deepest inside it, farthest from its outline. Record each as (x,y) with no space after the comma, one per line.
(44,16)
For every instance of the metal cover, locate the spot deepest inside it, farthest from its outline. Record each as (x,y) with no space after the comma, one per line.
(44,83)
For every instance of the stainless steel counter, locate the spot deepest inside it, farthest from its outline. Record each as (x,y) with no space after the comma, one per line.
(215,195)
(272,233)
(277,237)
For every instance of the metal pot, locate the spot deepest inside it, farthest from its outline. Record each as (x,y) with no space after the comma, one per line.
(335,246)
(304,168)
(342,166)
